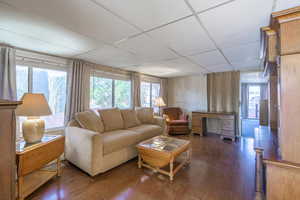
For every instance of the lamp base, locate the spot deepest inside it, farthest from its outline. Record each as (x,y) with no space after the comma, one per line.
(33,129)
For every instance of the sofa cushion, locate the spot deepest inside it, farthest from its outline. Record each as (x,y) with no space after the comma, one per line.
(118,139)
(89,120)
(112,119)
(145,115)
(130,118)
(146,131)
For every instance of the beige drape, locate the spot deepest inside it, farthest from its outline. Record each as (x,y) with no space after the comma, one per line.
(8,73)
(136,80)
(78,87)
(223,91)
(164,90)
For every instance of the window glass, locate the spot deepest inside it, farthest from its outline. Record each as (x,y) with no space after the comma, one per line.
(52,83)
(101,92)
(145,94)
(155,95)
(22,80)
(122,94)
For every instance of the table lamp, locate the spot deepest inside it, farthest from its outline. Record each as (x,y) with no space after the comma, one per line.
(34,106)
(159,102)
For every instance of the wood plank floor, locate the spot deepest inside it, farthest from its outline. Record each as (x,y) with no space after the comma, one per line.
(220,170)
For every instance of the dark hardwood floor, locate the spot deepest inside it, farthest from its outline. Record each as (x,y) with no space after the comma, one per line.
(220,170)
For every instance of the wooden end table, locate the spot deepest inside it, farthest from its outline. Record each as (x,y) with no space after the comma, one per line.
(31,160)
(160,151)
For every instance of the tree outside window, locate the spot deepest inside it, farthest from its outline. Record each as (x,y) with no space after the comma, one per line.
(51,83)
(107,93)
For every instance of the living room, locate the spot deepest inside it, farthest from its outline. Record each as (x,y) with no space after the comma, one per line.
(136,99)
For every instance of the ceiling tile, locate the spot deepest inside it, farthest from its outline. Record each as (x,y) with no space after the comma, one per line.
(29,25)
(209,58)
(242,53)
(246,65)
(171,68)
(147,14)
(110,56)
(238,22)
(84,17)
(34,45)
(220,68)
(286,4)
(204,5)
(147,49)
(186,37)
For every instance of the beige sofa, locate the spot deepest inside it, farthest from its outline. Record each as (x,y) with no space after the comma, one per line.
(97,141)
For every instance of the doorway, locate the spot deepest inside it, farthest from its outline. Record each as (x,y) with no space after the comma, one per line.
(252,93)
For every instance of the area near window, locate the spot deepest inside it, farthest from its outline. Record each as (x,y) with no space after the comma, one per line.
(108,92)
(50,82)
(149,92)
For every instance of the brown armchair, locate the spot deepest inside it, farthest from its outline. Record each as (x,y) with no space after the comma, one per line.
(177,122)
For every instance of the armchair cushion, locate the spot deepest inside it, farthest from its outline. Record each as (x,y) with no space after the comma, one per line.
(178,122)
(89,120)
(112,119)
(173,113)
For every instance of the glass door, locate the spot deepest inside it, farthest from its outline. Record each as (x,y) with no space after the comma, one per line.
(254,92)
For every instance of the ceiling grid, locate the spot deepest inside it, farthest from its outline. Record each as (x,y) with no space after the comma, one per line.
(157,37)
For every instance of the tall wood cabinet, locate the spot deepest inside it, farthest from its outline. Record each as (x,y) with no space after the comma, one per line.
(8,150)
(282,63)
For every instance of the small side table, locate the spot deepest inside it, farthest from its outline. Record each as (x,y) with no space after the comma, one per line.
(31,160)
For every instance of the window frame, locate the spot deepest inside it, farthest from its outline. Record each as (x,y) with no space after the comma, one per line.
(113,78)
(151,83)
(30,66)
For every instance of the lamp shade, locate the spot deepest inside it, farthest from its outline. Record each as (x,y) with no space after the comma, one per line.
(34,105)
(159,102)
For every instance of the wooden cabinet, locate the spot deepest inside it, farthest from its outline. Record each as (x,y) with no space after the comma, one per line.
(7,149)
(283,172)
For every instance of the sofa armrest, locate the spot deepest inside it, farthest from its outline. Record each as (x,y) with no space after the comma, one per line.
(161,121)
(83,148)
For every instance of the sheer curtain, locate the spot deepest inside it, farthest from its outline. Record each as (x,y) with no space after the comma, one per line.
(78,83)
(8,73)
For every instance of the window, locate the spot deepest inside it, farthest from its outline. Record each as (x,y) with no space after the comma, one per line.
(149,92)
(52,83)
(145,94)
(107,93)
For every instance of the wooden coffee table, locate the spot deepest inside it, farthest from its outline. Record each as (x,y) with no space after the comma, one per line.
(160,151)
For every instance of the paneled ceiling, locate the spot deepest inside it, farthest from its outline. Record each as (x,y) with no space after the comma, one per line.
(159,37)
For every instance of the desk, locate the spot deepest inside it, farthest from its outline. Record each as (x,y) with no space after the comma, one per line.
(227,123)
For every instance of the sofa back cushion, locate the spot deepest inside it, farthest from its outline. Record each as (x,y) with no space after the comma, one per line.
(130,118)
(145,115)
(89,120)
(112,119)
